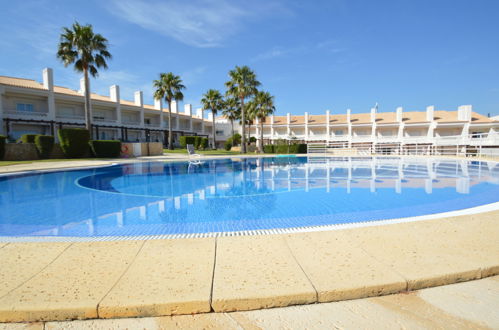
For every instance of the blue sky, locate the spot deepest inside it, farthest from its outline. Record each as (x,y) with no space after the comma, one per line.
(312,55)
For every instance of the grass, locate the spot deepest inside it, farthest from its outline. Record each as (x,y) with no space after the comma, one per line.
(202,152)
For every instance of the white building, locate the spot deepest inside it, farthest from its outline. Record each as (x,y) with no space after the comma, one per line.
(28,106)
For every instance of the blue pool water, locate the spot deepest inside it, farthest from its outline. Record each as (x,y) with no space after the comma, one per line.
(224,195)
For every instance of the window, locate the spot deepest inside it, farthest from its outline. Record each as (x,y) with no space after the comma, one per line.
(219,132)
(147,121)
(28,107)
(338,132)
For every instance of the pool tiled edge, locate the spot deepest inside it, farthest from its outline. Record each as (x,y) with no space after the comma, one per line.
(250,272)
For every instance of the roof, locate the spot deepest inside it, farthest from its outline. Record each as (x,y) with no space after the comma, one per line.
(20,82)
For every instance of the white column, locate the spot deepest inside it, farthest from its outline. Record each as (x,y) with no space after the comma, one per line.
(306,126)
(272,127)
(174,110)
(48,83)
(188,112)
(399,119)
(158,105)
(200,114)
(349,123)
(114,93)
(430,114)
(288,122)
(328,129)
(373,123)
(139,101)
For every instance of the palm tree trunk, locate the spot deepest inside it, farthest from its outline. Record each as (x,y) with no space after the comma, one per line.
(243,136)
(214,146)
(232,127)
(88,105)
(261,135)
(170,132)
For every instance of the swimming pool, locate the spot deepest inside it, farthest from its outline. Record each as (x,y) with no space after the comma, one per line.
(238,195)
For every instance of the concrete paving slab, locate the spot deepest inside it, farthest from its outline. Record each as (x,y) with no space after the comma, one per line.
(21,326)
(425,253)
(339,270)
(167,277)
(21,261)
(258,272)
(201,321)
(72,285)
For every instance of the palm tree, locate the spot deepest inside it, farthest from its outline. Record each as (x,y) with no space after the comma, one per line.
(79,45)
(169,87)
(213,101)
(242,84)
(250,115)
(263,107)
(232,111)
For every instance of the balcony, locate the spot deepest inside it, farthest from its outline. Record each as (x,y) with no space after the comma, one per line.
(15,112)
(104,120)
(362,138)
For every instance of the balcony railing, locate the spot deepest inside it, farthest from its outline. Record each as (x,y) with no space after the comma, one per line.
(39,113)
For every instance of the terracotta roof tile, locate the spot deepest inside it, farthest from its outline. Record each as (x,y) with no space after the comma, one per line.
(360,118)
(20,82)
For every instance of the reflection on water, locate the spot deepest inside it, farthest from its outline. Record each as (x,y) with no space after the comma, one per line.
(229,195)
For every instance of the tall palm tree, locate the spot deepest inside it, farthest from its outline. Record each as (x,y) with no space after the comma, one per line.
(79,45)
(169,87)
(232,111)
(242,84)
(250,115)
(263,107)
(212,100)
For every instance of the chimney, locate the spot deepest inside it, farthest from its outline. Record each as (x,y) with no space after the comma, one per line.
(48,79)
(139,98)
(199,113)
(114,93)
(82,86)
(399,114)
(158,104)
(373,115)
(306,117)
(288,116)
(174,107)
(188,109)
(349,115)
(210,116)
(430,113)
(464,112)
(272,119)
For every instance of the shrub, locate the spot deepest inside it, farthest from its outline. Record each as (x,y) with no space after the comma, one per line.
(268,149)
(197,142)
(252,139)
(44,145)
(236,139)
(74,142)
(281,149)
(227,145)
(28,138)
(2,145)
(105,148)
(204,143)
(301,148)
(185,140)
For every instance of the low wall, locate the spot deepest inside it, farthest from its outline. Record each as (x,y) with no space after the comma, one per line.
(27,151)
(139,149)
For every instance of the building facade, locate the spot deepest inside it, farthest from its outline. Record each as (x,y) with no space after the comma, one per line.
(28,106)
(390,132)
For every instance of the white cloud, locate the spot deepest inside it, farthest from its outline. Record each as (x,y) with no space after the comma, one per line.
(197,23)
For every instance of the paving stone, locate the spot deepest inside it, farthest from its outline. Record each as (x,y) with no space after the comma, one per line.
(339,270)
(257,272)
(72,285)
(167,277)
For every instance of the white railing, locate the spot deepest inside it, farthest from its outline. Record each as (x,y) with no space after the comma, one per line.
(25,113)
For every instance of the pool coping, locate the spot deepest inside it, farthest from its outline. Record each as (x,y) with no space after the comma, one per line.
(243,272)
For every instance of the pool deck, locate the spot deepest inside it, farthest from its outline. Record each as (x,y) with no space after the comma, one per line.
(467,305)
(57,281)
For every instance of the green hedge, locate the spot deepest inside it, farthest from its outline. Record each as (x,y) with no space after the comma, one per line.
(28,138)
(105,148)
(236,139)
(74,142)
(185,140)
(197,142)
(44,145)
(268,149)
(296,148)
(204,143)
(227,145)
(252,139)
(2,145)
